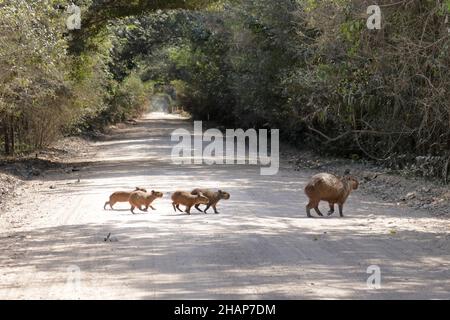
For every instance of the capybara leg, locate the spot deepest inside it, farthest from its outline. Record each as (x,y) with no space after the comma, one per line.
(308,210)
(106,203)
(153,208)
(330,213)
(132,209)
(341,210)
(197,206)
(215,209)
(313,205)
(188,210)
(318,211)
(207,207)
(179,209)
(174,207)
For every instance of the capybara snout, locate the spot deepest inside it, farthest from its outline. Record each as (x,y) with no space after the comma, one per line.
(224,195)
(157,194)
(355,183)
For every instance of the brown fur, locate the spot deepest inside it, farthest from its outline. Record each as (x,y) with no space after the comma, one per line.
(214,198)
(139,199)
(120,196)
(330,188)
(188,200)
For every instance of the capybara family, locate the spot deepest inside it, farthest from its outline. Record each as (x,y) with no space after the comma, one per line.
(140,199)
(187,199)
(322,187)
(213,197)
(120,196)
(330,188)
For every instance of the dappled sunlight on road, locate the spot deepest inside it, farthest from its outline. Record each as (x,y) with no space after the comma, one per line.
(261,245)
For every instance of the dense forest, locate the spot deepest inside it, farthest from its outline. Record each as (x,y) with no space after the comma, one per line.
(311,68)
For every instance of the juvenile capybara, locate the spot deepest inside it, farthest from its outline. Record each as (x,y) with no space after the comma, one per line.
(214,198)
(187,199)
(140,199)
(330,188)
(120,196)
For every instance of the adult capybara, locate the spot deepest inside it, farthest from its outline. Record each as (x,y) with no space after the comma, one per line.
(139,199)
(214,198)
(187,199)
(120,196)
(330,188)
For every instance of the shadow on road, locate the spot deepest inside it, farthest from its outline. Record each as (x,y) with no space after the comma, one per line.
(260,246)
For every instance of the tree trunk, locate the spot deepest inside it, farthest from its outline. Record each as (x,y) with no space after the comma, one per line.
(6,138)
(12,141)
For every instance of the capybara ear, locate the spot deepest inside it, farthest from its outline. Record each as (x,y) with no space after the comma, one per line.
(137,188)
(347,172)
(153,192)
(220,191)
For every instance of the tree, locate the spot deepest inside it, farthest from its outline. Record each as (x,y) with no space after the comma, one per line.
(101,12)
(32,73)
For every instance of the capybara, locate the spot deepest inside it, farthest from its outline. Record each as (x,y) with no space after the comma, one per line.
(187,199)
(330,188)
(139,199)
(214,198)
(120,196)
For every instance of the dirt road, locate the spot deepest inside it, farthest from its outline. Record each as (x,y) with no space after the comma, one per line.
(261,245)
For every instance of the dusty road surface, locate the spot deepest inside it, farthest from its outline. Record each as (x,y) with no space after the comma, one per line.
(261,246)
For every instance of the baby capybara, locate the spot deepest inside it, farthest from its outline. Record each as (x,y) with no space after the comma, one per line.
(187,199)
(120,196)
(140,199)
(330,188)
(214,198)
